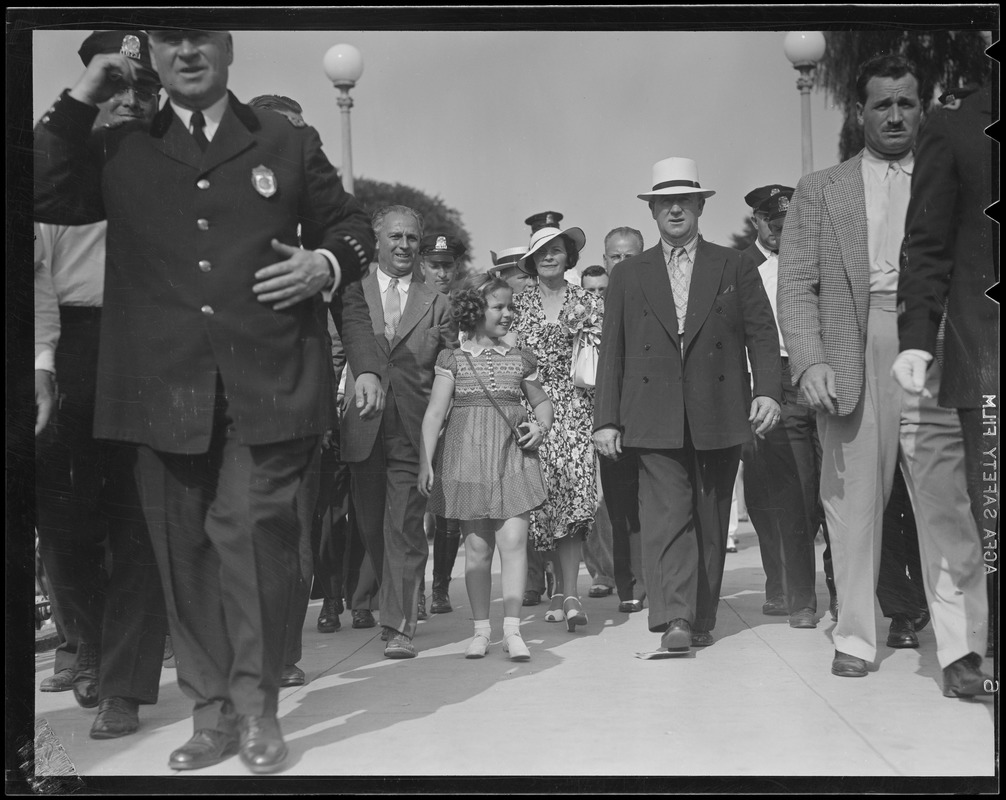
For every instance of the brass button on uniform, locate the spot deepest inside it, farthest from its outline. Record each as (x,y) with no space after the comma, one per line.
(207,310)
(719,345)
(203,224)
(202,183)
(646,380)
(646,347)
(205,266)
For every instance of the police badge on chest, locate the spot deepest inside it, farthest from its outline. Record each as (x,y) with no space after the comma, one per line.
(264,180)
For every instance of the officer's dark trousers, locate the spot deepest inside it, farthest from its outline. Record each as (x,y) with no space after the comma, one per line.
(620,483)
(89,516)
(225,531)
(782,475)
(900,589)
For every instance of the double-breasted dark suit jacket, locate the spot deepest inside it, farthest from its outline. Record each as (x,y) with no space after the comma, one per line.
(649,379)
(187,231)
(950,257)
(405,366)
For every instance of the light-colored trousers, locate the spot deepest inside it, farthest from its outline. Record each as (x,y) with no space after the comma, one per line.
(860,452)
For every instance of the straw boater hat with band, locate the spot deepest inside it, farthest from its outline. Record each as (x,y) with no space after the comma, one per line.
(505,259)
(542,237)
(675,176)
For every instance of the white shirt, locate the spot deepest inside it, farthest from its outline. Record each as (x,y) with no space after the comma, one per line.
(69,271)
(404,284)
(769,271)
(885,220)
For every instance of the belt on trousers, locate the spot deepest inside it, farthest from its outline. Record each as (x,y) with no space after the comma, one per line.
(883,301)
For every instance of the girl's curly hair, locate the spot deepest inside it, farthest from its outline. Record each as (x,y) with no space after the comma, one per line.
(468,303)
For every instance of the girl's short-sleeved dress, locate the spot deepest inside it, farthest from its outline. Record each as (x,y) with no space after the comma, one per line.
(480,472)
(567,454)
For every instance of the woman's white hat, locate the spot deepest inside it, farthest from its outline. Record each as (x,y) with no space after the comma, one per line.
(675,176)
(543,236)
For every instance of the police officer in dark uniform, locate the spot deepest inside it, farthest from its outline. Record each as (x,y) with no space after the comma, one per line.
(211,348)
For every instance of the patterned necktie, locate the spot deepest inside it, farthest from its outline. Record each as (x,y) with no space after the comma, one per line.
(392,311)
(898,193)
(679,286)
(198,123)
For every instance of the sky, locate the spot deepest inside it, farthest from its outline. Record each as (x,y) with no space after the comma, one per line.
(502,124)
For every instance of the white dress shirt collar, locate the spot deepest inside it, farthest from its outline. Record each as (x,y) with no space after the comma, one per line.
(689,246)
(212,115)
(384,281)
(878,166)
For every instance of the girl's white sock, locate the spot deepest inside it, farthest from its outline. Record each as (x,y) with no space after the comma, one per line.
(510,625)
(482,626)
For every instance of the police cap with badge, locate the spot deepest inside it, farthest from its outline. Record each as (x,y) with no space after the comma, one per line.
(441,247)
(765,198)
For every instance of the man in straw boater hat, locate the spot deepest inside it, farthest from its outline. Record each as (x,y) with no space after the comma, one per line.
(211,352)
(672,387)
(508,265)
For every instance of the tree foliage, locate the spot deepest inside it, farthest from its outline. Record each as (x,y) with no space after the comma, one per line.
(945,60)
(744,239)
(438,217)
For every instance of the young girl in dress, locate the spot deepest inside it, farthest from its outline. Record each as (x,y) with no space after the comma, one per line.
(486,472)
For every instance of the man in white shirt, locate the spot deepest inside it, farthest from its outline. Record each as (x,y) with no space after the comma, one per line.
(838,280)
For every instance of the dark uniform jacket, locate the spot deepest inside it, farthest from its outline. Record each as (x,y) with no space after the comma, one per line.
(649,378)
(187,231)
(949,250)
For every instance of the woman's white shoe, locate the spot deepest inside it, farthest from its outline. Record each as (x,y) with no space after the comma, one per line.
(514,645)
(478,646)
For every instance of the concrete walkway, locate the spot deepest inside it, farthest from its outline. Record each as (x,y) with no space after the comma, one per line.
(761,701)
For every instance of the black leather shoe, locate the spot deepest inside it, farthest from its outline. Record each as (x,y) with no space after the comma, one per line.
(964,678)
(85,679)
(441,603)
(902,632)
(599,590)
(630,606)
(677,637)
(328,617)
(775,607)
(531,598)
(846,666)
(262,747)
(292,675)
(804,618)
(61,681)
(363,619)
(922,620)
(702,639)
(117,716)
(206,748)
(421,608)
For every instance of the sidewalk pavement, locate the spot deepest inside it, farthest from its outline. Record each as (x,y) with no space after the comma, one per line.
(760,702)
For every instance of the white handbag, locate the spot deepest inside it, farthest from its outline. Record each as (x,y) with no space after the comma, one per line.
(583,368)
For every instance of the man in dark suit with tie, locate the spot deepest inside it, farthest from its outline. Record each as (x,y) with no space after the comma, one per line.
(392,326)
(211,348)
(672,385)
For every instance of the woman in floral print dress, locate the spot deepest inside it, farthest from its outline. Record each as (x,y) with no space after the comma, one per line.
(548,317)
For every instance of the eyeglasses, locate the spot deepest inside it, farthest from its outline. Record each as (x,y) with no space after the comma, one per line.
(142,95)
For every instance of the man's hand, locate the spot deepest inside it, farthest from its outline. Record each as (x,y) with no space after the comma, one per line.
(909,371)
(369,395)
(286,283)
(765,415)
(608,441)
(45,398)
(107,74)
(818,385)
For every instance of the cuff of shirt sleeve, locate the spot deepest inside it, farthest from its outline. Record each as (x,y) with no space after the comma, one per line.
(925,356)
(333,262)
(45,359)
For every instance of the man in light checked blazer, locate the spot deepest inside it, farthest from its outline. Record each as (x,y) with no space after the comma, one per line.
(838,280)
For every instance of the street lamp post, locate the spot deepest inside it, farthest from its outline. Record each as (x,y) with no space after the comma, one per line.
(344,66)
(804,49)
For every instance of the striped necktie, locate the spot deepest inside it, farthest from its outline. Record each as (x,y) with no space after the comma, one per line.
(392,311)
(679,286)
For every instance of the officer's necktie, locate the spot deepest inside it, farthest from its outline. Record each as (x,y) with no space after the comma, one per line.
(679,286)
(392,311)
(198,123)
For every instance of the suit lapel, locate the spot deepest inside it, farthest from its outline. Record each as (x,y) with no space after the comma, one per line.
(234,136)
(170,137)
(231,138)
(845,198)
(372,294)
(416,305)
(657,289)
(707,274)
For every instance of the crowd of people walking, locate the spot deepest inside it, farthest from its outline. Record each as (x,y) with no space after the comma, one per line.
(281,419)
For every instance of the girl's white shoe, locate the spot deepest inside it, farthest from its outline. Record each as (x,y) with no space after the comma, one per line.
(514,645)
(478,646)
